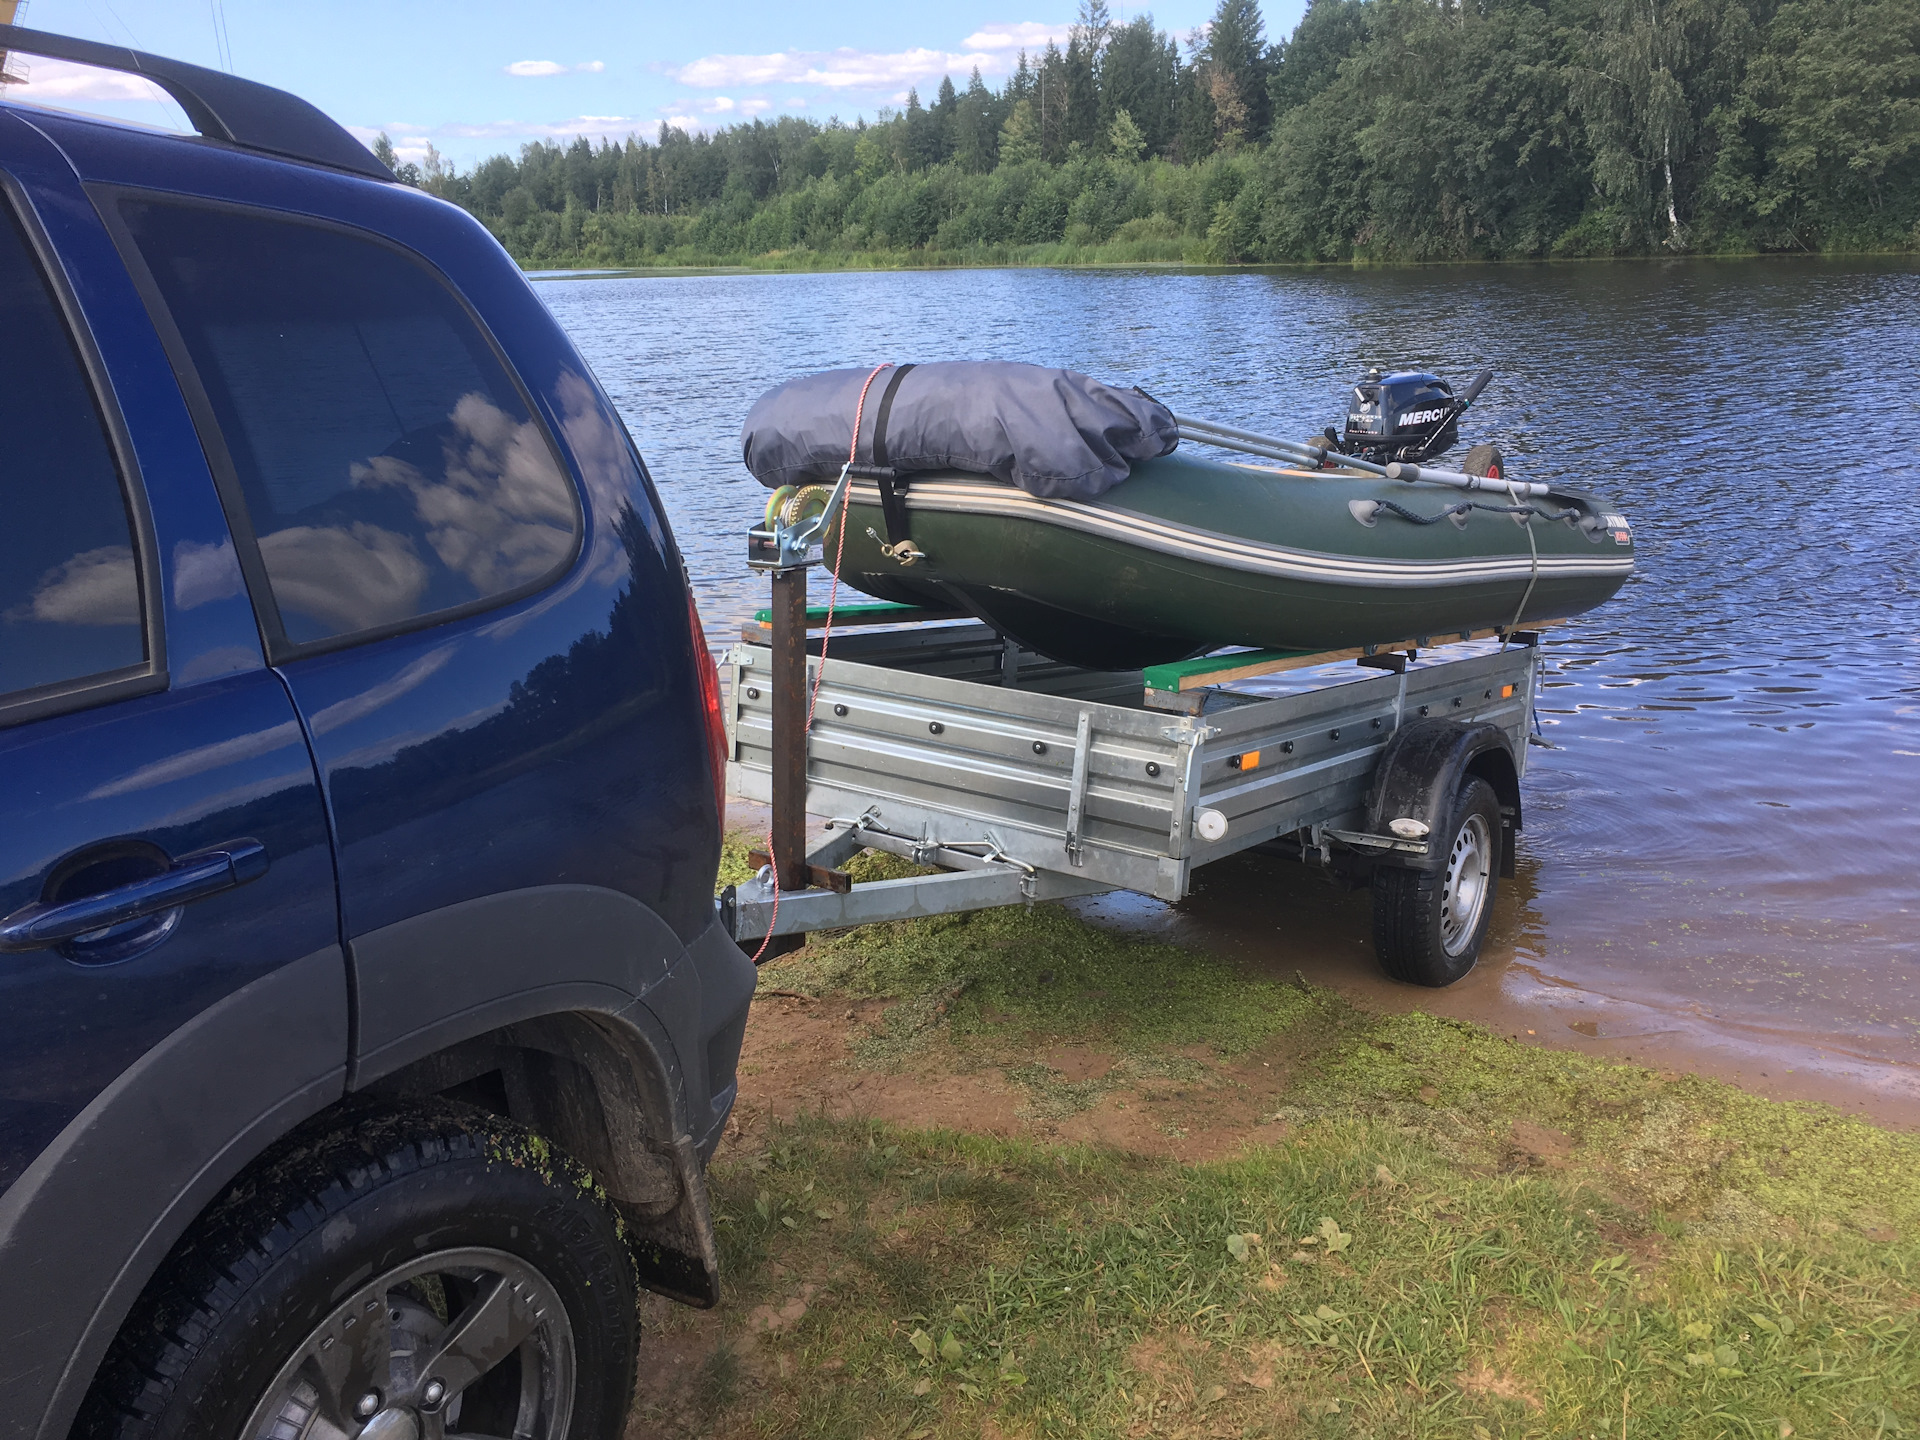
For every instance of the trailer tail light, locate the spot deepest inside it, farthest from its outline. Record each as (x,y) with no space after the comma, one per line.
(709,672)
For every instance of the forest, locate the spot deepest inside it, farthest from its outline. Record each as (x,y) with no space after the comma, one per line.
(1383,131)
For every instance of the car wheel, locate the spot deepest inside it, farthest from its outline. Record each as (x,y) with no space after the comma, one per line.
(1428,925)
(414,1277)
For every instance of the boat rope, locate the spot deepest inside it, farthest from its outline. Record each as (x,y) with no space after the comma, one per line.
(1533,575)
(826,636)
(1526,514)
(1452,510)
(839,549)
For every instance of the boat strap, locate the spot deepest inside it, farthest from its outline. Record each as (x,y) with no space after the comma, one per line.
(893,505)
(893,485)
(893,499)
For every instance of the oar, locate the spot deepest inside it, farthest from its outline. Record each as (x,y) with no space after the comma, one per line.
(1226,437)
(1405,470)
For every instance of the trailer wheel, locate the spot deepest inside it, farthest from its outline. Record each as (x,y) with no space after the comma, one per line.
(1428,925)
(1485,460)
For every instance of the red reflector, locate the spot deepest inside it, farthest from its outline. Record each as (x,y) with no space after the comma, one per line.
(708,671)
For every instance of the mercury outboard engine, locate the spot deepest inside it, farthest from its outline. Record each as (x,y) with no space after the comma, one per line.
(1405,415)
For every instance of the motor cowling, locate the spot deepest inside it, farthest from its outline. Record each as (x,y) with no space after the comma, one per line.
(1401,415)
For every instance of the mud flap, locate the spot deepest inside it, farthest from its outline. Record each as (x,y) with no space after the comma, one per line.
(674,1253)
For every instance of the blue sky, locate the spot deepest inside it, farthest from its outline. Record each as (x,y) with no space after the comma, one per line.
(481,78)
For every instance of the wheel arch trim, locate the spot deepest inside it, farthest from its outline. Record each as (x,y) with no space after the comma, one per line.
(100,1208)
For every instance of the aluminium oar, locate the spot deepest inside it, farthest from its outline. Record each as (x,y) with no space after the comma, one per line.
(1227,437)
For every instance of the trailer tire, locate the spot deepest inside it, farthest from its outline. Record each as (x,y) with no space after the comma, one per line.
(1428,924)
(1485,459)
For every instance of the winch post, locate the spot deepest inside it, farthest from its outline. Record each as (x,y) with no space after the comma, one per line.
(788,696)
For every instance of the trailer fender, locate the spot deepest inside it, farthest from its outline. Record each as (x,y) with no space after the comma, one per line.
(1422,769)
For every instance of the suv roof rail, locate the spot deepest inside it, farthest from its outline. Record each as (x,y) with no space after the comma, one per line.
(219,106)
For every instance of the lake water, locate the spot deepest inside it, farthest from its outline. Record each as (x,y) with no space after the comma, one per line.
(1722,857)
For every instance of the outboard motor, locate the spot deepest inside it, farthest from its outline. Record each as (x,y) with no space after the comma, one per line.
(1405,415)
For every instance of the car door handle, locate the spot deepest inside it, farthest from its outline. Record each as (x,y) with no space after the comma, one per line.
(192,877)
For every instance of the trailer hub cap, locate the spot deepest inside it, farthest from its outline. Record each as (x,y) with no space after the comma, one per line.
(1465,895)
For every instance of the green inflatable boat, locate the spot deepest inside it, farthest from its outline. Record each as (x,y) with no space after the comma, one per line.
(1190,554)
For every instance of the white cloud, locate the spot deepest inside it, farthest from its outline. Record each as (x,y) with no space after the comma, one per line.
(410,141)
(754,107)
(844,69)
(1027,35)
(59,82)
(798,102)
(554,67)
(994,48)
(95,587)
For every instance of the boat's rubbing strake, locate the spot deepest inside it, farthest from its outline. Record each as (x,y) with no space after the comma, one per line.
(1209,547)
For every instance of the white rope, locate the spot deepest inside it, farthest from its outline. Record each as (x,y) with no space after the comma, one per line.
(1533,576)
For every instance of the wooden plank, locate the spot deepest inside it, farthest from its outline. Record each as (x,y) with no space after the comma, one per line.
(879,613)
(1210,670)
(788,686)
(821,877)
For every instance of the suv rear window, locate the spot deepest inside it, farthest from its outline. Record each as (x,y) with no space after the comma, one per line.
(70,605)
(389,467)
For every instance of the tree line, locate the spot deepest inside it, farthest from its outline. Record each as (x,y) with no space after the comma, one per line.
(1381,130)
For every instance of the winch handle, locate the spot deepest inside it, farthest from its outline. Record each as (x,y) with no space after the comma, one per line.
(1474,387)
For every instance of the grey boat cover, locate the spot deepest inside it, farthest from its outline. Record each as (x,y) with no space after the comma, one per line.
(1057,434)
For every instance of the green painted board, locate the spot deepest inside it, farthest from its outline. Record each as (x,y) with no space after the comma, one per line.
(1168,677)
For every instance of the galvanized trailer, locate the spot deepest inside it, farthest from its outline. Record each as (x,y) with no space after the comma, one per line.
(1023,780)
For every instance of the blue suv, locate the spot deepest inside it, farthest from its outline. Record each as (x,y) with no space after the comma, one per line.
(365,1027)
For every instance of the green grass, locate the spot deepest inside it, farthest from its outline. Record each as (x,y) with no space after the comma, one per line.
(1684,1260)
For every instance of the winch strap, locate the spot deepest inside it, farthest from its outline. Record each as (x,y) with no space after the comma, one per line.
(893,505)
(893,500)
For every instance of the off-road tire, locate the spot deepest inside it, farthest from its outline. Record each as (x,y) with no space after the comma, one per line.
(1410,919)
(1484,459)
(323,1212)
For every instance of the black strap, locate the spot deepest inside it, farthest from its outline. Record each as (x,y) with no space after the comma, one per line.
(893,500)
(893,505)
(877,452)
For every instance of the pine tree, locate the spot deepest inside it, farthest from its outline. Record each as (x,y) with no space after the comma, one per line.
(1193,111)
(1052,78)
(1236,60)
(1306,63)
(976,137)
(1139,74)
(1020,136)
(1082,93)
(945,120)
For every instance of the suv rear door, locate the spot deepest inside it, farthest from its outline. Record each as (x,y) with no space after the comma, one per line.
(495,675)
(172,988)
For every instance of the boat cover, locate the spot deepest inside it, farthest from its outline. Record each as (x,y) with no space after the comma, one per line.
(1056,434)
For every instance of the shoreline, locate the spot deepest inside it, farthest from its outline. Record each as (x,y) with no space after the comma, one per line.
(1515,997)
(817,263)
